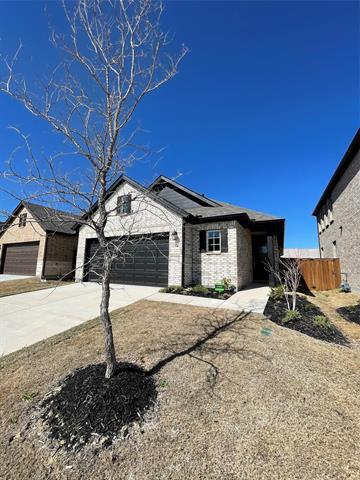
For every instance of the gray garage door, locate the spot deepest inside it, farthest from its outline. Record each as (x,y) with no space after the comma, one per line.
(140,260)
(20,258)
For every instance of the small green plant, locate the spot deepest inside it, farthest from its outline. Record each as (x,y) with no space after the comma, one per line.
(321,321)
(200,289)
(277,293)
(172,289)
(28,396)
(13,420)
(226,282)
(291,316)
(307,307)
(163,383)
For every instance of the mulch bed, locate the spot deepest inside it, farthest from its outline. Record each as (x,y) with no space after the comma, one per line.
(209,294)
(350,313)
(276,309)
(86,407)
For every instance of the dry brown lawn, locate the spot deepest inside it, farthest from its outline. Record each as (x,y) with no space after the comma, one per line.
(329,301)
(241,405)
(13,287)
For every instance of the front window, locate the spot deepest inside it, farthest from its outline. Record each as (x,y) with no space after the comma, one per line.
(213,241)
(124,204)
(22,220)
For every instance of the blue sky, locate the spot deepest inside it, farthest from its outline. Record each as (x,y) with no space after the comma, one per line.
(261,113)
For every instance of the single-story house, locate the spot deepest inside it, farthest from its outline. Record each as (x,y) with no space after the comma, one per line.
(338,215)
(38,241)
(181,237)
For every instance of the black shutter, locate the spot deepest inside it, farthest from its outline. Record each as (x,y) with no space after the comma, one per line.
(119,205)
(202,240)
(224,240)
(127,208)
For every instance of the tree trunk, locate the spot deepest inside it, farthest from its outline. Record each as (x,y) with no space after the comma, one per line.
(110,356)
(294,300)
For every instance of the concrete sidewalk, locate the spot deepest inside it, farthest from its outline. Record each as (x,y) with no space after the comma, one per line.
(252,299)
(30,317)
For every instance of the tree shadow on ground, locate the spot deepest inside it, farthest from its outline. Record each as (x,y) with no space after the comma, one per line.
(203,346)
(88,408)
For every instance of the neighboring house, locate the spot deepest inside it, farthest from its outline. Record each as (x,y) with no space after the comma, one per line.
(301,253)
(338,215)
(38,240)
(181,237)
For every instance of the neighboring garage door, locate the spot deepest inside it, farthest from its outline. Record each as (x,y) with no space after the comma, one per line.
(20,258)
(140,260)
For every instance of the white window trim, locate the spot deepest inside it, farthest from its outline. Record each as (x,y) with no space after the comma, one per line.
(216,252)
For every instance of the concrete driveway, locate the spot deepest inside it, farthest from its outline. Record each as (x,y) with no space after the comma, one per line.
(30,317)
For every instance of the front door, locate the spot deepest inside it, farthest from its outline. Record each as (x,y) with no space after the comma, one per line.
(260,256)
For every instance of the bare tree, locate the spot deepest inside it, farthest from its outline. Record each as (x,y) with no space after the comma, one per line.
(114,54)
(288,275)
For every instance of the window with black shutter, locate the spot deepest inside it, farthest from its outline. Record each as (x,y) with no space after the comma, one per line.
(124,204)
(22,219)
(214,240)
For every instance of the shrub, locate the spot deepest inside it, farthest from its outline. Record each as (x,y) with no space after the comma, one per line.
(172,289)
(321,321)
(291,316)
(277,292)
(200,289)
(226,282)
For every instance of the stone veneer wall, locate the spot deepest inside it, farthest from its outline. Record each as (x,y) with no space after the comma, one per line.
(345,228)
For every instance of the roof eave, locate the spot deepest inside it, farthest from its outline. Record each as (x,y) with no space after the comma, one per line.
(344,163)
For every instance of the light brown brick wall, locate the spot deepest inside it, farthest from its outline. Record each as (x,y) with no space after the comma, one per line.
(60,251)
(32,232)
(345,228)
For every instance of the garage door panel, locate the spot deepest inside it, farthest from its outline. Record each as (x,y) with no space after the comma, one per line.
(144,261)
(20,259)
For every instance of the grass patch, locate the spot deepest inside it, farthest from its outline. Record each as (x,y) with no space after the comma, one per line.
(228,396)
(14,287)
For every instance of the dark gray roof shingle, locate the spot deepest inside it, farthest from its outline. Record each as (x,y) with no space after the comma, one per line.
(229,209)
(51,219)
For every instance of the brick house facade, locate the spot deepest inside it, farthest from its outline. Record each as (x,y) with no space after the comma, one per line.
(338,215)
(52,239)
(208,240)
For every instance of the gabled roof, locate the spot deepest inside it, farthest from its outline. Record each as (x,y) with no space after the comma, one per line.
(343,165)
(49,219)
(207,208)
(124,178)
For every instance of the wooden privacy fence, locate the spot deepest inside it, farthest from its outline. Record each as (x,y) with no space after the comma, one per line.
(321,273)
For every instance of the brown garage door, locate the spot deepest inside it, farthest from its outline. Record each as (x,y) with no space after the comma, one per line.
(20,258)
